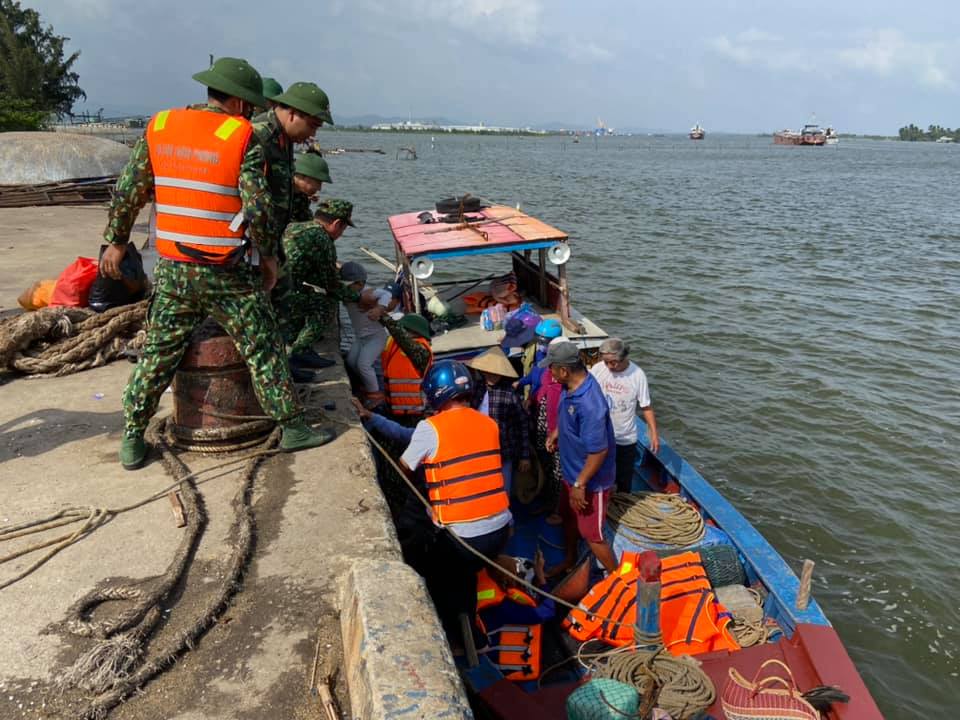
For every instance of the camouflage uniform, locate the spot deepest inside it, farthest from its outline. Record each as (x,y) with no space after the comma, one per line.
(300,208)
(311,256)
(185,293)
(277,155)
(417,353)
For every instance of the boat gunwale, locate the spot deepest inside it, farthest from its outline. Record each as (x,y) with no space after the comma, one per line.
(779,579)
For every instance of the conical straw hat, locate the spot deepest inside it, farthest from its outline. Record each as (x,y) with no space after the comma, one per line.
(493,361)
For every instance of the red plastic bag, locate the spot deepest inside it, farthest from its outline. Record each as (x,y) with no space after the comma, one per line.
(73,285)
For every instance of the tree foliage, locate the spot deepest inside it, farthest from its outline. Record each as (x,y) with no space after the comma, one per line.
(933,132)
(36,80)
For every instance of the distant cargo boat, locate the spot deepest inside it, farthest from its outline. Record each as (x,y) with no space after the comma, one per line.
(811,134)
(697,132)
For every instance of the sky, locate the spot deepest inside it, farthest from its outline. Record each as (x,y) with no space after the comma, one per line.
(733,66)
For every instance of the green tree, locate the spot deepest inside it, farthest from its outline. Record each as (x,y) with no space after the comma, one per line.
(36,79)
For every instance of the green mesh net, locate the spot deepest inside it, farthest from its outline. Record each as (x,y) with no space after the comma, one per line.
(602,699)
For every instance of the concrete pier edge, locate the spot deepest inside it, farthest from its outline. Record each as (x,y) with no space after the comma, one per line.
(396,657)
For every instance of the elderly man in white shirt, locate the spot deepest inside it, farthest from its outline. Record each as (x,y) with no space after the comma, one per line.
(625,386)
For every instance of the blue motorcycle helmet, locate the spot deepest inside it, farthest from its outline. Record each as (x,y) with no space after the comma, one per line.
(549,329)
(445,381)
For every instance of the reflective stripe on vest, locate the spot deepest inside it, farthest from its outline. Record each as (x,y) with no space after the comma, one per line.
(194,212)
(490,594)
(196,156)
(464,476)
(691,620)
(401,379)
(198,239)
(172,182)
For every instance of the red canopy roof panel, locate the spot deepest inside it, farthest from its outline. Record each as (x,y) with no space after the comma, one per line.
(502,225)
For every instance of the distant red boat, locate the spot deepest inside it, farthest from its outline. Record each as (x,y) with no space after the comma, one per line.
(811,134)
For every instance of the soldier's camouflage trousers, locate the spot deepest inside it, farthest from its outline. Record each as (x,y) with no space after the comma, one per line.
(184,295)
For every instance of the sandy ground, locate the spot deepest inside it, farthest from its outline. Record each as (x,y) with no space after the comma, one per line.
(315,513)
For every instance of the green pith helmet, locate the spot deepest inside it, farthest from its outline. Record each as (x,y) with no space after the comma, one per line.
(271,88)
(337,209)
(307,98)
(417,324)
(235,77)
(313,166)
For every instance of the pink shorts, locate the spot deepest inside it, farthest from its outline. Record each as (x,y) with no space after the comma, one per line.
(590,521)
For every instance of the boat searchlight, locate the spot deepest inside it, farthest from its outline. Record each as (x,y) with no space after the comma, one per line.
(558,254)
(422,268)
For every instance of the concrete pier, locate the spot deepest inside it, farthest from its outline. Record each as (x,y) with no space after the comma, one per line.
(326,569)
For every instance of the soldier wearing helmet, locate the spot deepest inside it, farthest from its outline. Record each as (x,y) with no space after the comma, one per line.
(212,203)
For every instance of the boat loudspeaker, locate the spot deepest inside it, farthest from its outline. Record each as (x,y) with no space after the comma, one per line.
(559,253)
(422,268)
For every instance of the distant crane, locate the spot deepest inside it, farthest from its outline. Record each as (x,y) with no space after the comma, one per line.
(602,128)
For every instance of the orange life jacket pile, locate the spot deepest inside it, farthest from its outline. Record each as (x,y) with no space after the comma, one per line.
(691,620)
(514,649)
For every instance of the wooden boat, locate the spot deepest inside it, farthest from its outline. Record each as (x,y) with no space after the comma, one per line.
(804,639)
(808,643)
(454,242)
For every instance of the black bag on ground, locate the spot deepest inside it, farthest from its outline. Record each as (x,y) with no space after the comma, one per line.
(108,293)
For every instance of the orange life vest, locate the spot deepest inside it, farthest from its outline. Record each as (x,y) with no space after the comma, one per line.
(490,594)
(402,380)
(609,611)
(691,620)
(464,476)
(514,649)
(196,157)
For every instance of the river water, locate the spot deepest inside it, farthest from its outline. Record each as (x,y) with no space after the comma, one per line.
(797,312)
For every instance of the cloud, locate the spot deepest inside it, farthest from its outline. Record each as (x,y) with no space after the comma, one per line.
(587,52)
(758,48)
(518,21)
(886,52)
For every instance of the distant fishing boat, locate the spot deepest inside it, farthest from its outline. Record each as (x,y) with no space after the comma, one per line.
(831,136)
(812,134)
(697,132)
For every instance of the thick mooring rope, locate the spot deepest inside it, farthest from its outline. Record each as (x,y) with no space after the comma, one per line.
(108,667)
(675,684)
(662,517)
(56,341)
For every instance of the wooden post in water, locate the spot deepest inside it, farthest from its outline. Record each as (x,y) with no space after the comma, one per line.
(806,579)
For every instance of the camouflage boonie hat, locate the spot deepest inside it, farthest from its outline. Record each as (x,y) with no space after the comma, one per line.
(313,166)
(271,88)
(337,209)
(235,77)
(307,98)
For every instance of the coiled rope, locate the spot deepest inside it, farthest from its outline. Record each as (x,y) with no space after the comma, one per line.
(661,517)
(675,684)
(54,341)
(109,668)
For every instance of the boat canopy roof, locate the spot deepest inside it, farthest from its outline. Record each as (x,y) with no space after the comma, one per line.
(494,229)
